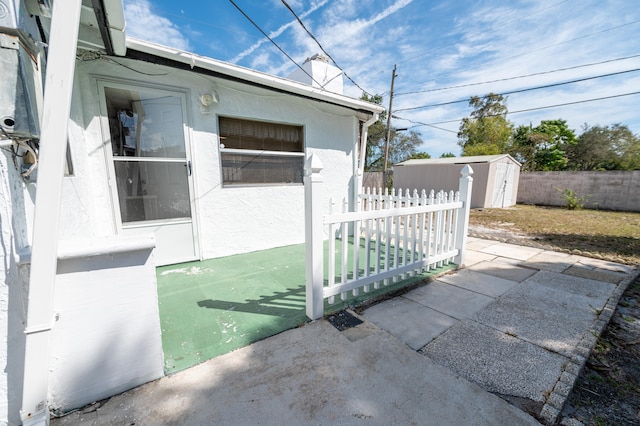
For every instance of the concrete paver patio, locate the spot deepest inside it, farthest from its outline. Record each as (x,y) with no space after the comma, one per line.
(453,351)
(514,320)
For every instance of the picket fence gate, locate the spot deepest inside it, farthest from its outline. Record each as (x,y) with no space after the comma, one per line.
(388,237)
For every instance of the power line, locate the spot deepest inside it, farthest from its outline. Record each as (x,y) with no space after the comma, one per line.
(574,103)
(420,123)
(539,108)
(546,86)
(542,48)
(579,38)
(320,46)
(517,77)
(272,41)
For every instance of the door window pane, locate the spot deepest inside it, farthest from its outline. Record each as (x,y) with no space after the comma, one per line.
(149,154)
(145,124)
(152,190)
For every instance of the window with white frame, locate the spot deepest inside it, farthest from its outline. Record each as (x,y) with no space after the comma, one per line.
(260,153)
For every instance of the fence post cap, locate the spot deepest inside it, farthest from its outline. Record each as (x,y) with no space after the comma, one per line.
(312,165)
(466,171)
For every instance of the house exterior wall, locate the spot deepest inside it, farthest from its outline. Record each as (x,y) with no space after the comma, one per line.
(14,280)
(231,220)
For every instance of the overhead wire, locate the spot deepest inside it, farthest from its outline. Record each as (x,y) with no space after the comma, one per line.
(546,86)
(578,38)
(304,27)
(545,47)
(420,124)
(516,77)
(536,108)
(434,125)
(523,54)
(484,32)
(272,41)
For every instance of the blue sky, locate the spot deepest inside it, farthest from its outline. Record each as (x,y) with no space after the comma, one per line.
(435,45)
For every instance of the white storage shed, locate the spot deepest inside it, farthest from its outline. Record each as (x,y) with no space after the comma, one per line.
(495,177)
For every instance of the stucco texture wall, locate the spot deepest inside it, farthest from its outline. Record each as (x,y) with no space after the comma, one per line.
(613,190)
(107,336)
(229,220)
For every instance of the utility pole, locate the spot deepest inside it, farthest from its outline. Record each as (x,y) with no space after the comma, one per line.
(385,170)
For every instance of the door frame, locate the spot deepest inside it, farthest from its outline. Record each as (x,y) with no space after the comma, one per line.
(102,82)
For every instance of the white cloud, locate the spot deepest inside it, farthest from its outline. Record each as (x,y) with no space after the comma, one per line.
(440,44)
(276,33)
(145,24)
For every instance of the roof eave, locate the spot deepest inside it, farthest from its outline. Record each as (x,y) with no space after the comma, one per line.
(251,76)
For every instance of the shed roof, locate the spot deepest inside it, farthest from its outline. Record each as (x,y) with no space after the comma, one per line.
(458,160)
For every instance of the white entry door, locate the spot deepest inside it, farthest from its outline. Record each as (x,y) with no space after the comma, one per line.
(151,180)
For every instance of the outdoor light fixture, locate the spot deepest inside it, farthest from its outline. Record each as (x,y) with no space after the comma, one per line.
(208,99)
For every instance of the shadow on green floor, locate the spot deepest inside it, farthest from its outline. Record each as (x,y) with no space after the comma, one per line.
(215,306)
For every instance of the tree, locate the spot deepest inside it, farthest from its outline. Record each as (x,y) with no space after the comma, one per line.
(420,156)
(612,147)
(487,131)
(402,145)
(448,155)
(524,146)
(542,147)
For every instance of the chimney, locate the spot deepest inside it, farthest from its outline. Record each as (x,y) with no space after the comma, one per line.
(324,74)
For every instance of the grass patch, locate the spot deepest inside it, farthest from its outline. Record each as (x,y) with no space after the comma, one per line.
(603,234)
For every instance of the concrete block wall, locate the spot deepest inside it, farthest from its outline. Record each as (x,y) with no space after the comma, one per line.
(612,190)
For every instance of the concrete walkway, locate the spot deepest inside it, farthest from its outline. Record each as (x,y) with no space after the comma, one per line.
(518,322)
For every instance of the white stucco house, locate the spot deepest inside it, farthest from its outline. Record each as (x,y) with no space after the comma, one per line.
(119,155)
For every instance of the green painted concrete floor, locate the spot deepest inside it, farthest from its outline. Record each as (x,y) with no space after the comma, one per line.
(215,306)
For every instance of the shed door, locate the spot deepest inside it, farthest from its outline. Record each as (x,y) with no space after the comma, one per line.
(503,185)
(151,169)
(508,186)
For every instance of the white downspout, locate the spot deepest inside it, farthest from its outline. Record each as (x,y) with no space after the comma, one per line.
(63,40)
(363,157)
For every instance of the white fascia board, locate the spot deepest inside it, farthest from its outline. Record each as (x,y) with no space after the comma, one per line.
(115,17)
(236,71)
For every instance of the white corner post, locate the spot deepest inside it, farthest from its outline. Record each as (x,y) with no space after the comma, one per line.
(462,227)
(61,60)
(314,238)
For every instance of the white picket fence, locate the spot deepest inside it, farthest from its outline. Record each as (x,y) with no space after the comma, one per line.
(388,237)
